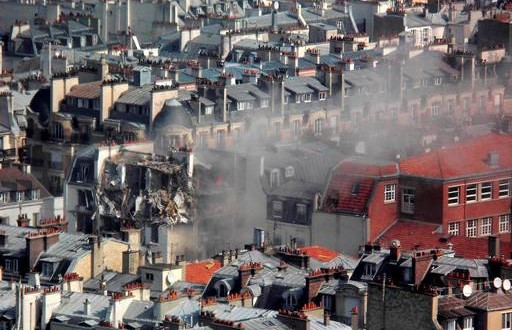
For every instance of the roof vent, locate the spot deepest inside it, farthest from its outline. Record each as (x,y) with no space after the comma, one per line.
(493,159)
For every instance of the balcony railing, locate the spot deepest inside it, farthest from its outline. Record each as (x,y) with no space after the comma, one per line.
(8,153)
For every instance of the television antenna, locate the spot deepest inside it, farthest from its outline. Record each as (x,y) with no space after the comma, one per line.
(467,290)
(497,282)
(506,285)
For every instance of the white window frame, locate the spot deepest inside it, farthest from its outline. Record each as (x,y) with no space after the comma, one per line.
(296,129)
(468,323)
(506,321)
(307,98)
(275,178)
(471,193)
(20,196)
(319,124)
(504,223)
(451,325)
(370,269)
(454,228)
(435,109)
(264,103)
(453,195)
(390,193)
(487,194)
(322,96)
(471,228)
(4,197)
(504,188)
(486,226)
(408,200)
(438,81)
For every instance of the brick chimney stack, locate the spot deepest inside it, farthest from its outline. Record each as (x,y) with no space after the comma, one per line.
(355,318)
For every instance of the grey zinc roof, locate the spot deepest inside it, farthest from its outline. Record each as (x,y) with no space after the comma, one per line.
(299,89)
(297,189)
(115,281)
(184,307)
(375,258)
(16,236)
(72,305)
(443,269)
(137,96)
(140,311)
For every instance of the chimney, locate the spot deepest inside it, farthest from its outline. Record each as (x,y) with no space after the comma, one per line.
(355,318)
(394,250)
(34,280)
(246,271)
(314,281)
(164,238)
(131,261)
(38,242)
(97,265)
(87,307)
(294,320)
(493,246)
(132,236)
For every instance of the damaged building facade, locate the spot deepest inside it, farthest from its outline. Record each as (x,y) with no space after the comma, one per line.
(114,187)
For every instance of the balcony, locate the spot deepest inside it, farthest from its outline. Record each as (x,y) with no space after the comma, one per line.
(6,153)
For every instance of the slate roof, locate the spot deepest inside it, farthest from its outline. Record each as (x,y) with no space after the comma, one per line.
(13,179)
(489,301)
(136,96)
(115,281)
(463,159)
(89,90)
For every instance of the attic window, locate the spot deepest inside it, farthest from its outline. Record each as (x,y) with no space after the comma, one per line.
(370,270)
(274,178)
(290,171)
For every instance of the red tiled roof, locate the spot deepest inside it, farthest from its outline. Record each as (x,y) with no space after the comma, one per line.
(201,271)
(320,253)
(358,175)
(419,235)
(462,159)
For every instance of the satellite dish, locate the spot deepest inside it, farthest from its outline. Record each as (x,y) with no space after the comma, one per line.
(275,5)
(467,291)
(497,282)
(506,285)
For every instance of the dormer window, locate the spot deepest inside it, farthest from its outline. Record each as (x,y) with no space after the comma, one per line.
(438,81)
(264,103)
(290,172)
(307,98)
(35,194)
(274,178)
(370,269)
(47,269)
(20,196)
(4,197)
(321,96)
(277,209)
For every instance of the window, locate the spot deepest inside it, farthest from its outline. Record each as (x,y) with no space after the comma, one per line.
(11,265)
(35,194)
(453,195)
(449,105)
(506,321)
(466,103)
(47,269)
(369,270)
(438,81)
(307,98)
(291,301)
(296,129)
(321,96)
(485,191)
(221,140)
(274,178)
(319,123)
(453,228)
(504,188)
(240,106)
(57,130)
(471,228)
(149,277)
(277,209)
(408,200)
(333,123)
(482,102)
(486,226)
(289,172)
(208,110)
(471,193)
(301,212)
(435,109)
(504,223)
(468,323)
(20,196)
(286,99)
(203,140)
(264,103)
(4,198)
(389,193)
(451,325)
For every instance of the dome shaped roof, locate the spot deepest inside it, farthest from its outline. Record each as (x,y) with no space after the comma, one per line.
(41,104)
(172,114)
